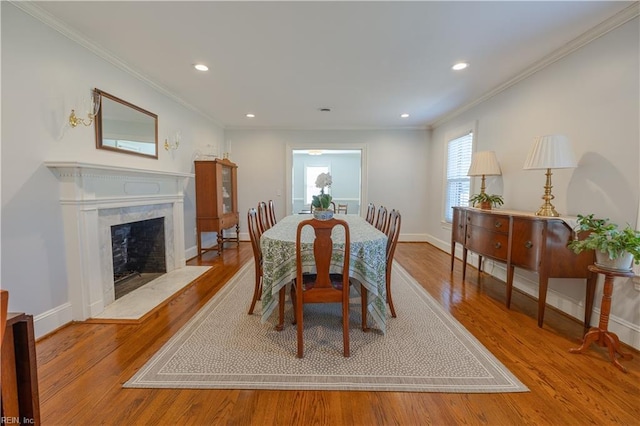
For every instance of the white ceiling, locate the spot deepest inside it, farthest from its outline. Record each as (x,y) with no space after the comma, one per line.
(367,61)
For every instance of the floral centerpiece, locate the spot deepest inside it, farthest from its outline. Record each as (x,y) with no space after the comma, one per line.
(322,202)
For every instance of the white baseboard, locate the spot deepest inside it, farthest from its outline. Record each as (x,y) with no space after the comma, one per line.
(52,320)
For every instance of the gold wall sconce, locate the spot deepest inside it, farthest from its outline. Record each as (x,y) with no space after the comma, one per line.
(484,163)
(176,142)
(550,152)
(74,120)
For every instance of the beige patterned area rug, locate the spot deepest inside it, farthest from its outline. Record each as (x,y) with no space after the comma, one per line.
(424,349)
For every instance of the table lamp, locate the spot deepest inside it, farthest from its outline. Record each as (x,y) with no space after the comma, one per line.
(484,163)
(550,152)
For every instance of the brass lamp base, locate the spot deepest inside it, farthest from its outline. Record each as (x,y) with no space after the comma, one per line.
(547,209)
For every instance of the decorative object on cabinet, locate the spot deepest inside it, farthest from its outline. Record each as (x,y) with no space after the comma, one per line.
(550,152)
(601,334)
(484,163)
(74,120)
(126,128)
(486,201)
(216,201)
(615,249)
(521,239)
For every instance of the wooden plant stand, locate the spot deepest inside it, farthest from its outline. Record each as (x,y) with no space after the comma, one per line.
(601,334)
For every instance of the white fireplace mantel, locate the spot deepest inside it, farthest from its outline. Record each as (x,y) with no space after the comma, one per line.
(93,198)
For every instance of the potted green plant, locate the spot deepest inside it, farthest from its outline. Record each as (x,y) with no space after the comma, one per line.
(615,248)
(486,201)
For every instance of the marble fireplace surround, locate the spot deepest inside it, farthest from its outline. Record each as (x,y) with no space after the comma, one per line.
(95,197)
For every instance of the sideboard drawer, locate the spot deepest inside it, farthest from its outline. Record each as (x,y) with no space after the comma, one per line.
(492,222)
(488,243)
(528,237)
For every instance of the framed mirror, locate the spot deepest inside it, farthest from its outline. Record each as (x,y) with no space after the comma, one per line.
(124,127)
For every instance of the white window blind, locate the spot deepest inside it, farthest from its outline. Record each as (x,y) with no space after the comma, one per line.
(459,152)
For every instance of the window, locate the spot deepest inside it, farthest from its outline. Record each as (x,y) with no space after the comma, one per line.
(311,174)
(459,152)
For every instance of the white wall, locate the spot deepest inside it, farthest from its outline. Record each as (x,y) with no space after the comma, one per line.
(397,177)
(592,96)
(44,76)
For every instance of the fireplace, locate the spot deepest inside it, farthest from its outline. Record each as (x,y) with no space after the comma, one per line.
(138,254)
(95,198)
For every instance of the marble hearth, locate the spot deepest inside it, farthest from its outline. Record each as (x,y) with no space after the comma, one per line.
(94,198)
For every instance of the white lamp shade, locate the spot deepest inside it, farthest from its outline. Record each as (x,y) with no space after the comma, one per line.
(551,152)
(484,163)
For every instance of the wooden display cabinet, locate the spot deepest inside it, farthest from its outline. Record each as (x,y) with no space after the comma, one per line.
(216,201)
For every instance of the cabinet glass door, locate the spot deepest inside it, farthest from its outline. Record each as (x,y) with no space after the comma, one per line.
(227,201)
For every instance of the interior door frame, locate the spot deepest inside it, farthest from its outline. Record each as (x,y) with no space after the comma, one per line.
(331,146)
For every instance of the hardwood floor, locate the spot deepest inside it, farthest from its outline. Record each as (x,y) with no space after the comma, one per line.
(82,367)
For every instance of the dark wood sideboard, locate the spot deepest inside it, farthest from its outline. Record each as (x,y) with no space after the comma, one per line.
(523,240)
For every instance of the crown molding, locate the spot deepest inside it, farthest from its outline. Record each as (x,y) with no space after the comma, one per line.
(622,17)
(617,20)
(40,14)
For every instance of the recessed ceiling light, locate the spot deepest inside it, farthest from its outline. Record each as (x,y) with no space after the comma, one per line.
(405,115)
(251,115)
(459,66)
(201,67)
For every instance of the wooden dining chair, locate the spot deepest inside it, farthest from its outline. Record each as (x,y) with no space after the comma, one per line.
(371,213)
(381,219)
(263,217)
(272,213)
(322,286)
(393,232)
(4,308)
(342,208)
(254,236)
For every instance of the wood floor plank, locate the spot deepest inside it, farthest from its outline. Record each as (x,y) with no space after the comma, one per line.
(82,366)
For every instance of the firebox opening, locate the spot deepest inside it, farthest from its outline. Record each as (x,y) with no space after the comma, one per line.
(138,252)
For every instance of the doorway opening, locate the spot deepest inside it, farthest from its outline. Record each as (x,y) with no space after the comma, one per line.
(346,167)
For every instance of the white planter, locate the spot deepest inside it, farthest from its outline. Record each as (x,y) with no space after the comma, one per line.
(323,214)
(621,263)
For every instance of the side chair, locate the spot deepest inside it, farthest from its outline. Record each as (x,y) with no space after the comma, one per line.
(323,286)
(371,213)
(272,213)
(381,220)
(342,208)
(263,217)
(254,236)
(4,307)
(393,232)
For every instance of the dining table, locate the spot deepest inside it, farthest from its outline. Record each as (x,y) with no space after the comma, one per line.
(367,262)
